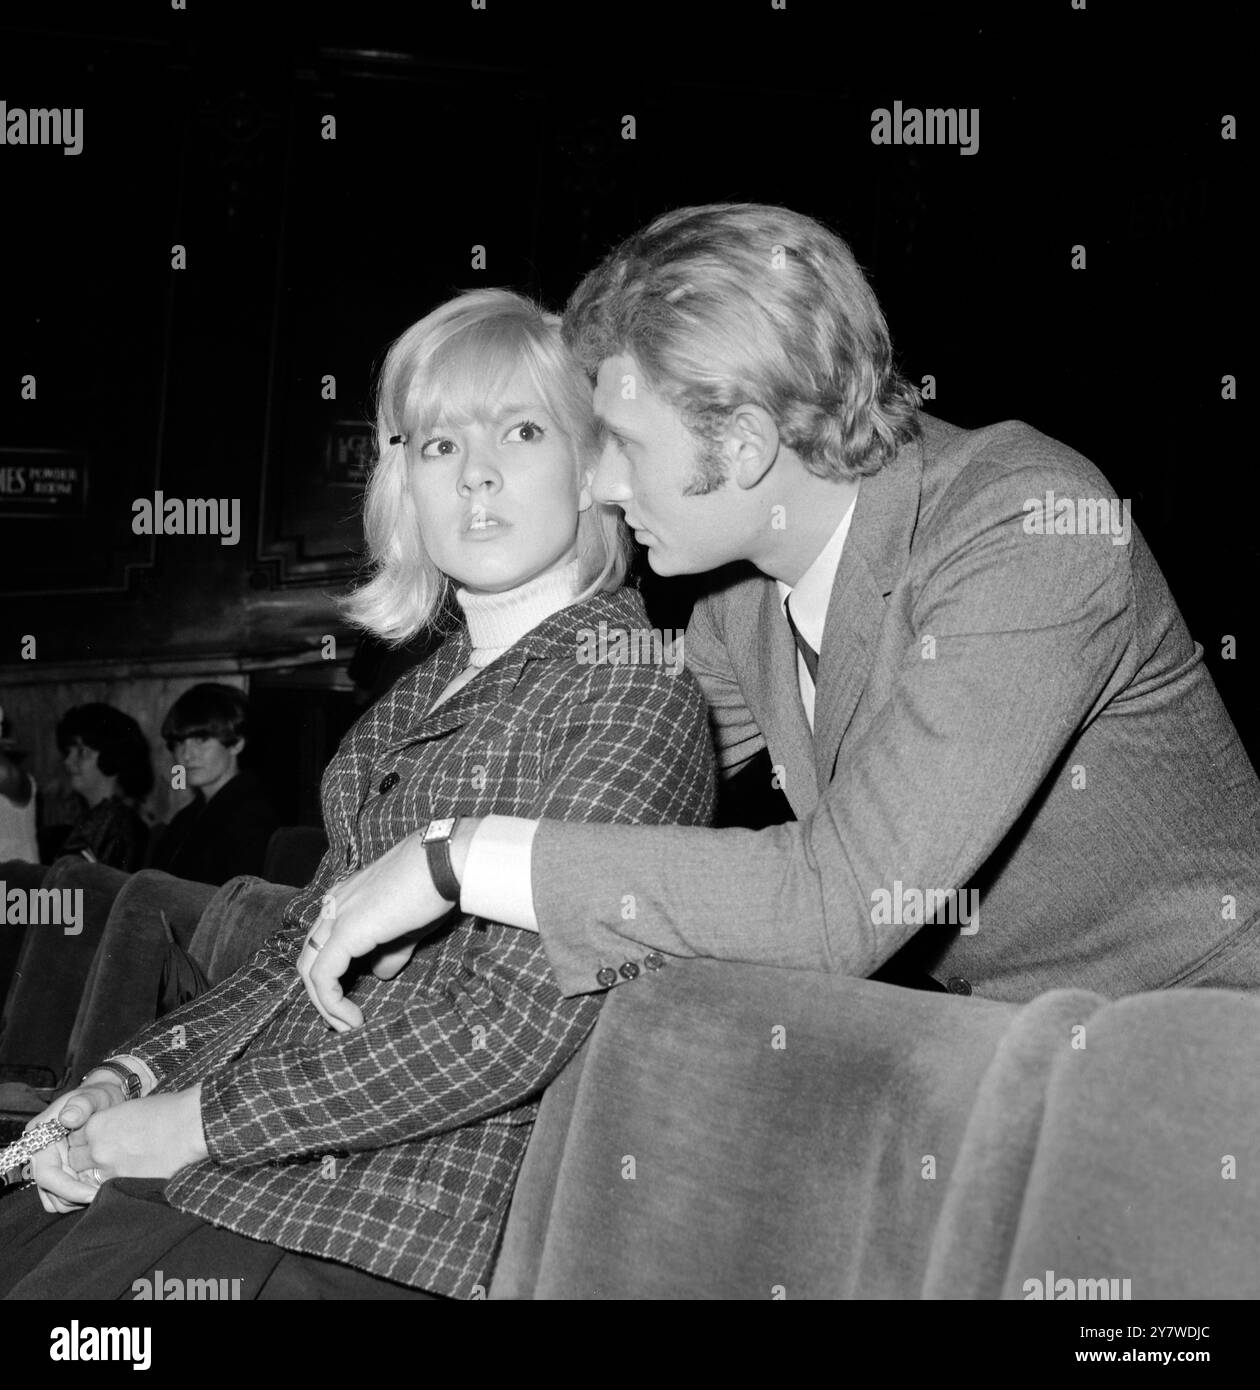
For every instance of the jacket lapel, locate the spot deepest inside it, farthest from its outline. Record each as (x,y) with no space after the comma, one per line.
(764,663)
(875,557)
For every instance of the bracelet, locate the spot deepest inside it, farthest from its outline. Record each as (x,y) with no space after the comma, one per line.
(22,1150)
(133,1086)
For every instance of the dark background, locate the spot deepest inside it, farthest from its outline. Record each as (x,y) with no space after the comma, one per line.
(502,128)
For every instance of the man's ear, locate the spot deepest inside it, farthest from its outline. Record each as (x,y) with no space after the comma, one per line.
(752,444)
(237,748)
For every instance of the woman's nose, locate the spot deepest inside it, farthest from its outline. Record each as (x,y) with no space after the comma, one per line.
(479,469)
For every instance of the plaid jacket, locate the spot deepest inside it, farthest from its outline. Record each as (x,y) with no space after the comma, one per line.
(395,1147)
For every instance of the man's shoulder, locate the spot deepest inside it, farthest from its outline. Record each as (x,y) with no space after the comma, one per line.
(1011,450)
(973,479)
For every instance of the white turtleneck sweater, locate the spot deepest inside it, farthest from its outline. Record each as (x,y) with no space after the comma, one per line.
(496,621)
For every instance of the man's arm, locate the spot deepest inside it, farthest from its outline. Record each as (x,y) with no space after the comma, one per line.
(631,750)
(1028,630)
(736,737)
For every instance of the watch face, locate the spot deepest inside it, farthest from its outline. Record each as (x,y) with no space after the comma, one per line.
(439,830)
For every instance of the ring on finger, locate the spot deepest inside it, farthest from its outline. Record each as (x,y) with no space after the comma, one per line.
(313,944)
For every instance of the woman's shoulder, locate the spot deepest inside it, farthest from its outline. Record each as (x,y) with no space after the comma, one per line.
(614,653)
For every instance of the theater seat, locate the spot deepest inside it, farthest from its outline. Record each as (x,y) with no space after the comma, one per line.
(293,854)
(739,1132)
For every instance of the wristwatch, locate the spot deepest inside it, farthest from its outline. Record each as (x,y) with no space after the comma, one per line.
(437,847)
(132,1084)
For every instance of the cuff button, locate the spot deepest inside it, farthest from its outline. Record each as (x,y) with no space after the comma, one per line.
(629,971)
(654,960)
(606,977)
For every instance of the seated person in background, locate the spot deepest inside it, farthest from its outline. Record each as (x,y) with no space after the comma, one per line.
(225,829)
(17,801)
(379,1161)
(108,763)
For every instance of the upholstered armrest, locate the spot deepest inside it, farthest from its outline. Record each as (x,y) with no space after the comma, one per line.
(734,1131)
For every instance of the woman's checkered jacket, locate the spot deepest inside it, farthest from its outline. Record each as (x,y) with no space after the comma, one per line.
(395,1147)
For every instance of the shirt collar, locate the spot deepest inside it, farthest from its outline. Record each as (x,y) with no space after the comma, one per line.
(812,591)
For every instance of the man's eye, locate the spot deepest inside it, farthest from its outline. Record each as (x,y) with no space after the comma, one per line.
(529,432)
(439,447)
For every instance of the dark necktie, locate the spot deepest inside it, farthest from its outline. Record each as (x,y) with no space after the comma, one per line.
(802,646)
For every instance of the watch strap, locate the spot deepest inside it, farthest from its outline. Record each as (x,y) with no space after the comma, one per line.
(441,870)
(133,1086)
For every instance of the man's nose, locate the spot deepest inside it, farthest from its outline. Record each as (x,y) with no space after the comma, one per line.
(610,482)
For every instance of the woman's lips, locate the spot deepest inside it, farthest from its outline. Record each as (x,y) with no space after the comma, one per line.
(479,528)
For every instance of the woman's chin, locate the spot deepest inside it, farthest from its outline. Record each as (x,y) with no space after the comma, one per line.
(490,578)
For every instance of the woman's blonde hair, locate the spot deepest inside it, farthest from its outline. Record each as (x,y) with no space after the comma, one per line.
(453,365)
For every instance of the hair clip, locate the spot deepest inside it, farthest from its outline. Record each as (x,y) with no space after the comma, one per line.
(398,439)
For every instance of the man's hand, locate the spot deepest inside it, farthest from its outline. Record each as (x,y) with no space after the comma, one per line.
(389,898)
(153,1137)
(60,1186)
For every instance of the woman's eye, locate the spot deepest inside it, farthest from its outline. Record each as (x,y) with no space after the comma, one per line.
(437,448)
(530,432)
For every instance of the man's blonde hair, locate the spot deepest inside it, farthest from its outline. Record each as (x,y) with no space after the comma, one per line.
(740,302)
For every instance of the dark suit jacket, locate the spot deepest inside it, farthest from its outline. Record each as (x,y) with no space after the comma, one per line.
(395,1147)
(213,841)
(1024,715)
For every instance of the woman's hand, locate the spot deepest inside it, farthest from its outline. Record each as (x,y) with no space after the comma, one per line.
(153,1137)
(392,896)
(60,1186)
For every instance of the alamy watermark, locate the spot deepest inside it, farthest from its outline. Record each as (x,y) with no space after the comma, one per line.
(908,125)
(167,1289)
(1062,1289)
(76,1343)
(1079,516)
(194,516)
(39,126)
(901,906)
(634,646)
(42,907)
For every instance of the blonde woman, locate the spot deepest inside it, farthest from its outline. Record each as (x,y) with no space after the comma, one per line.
(379,1161)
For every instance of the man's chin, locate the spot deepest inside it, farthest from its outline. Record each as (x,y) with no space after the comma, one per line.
(665,563)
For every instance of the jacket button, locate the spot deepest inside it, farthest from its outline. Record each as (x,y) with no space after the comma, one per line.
(606,977)
(389,782)
(654,960)
(629,971)
(957,985)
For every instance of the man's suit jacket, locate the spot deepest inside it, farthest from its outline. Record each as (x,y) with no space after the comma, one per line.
(394,1147)
(1023,715)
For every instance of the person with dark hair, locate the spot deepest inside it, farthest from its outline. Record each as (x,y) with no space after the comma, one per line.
(107,759)
(224,831)
(17,801)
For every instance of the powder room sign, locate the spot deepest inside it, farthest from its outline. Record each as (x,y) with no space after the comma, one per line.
(50,483)
(348,450)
